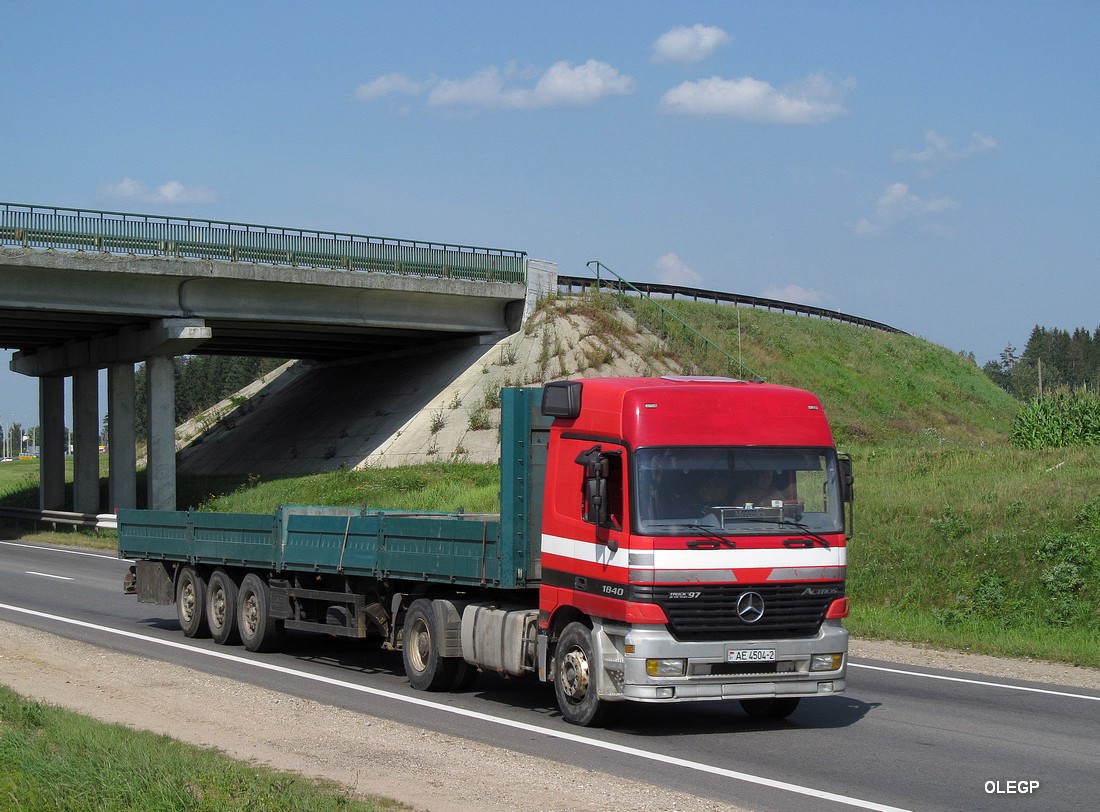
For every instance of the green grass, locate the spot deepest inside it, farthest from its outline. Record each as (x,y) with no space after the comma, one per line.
(471,487)
(876,387)
(990,549)
(21,477)
(51,759)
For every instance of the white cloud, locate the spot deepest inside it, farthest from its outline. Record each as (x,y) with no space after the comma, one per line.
(796,294)
(940,149)
(172,192)
(563,84)
(690,45)
(897,206)
(814,100)
(671,270)
(391,83)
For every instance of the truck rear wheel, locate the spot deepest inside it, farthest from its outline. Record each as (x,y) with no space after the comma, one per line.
(191,603)
(425,667)
(776,707)
(259,631)
(221,607)
(575,678)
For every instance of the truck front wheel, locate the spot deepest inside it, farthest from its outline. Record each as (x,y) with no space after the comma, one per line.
(191,603)
(259,631)
(425,667)
(575,678)
(221,607)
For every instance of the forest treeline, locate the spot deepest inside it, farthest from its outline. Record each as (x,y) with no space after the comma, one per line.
(1051,360)
(202,381)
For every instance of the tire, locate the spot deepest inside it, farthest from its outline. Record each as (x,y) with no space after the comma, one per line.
(259,631)
(426,669)
(773,708)
(221,608)
(575,679)
(191,603)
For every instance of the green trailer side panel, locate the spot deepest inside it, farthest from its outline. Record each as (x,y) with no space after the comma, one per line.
(154,534)
(320,541)
(525,434)
(455,549)
(242,539)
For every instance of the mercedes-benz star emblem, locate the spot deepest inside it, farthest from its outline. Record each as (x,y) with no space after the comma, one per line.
(750,607)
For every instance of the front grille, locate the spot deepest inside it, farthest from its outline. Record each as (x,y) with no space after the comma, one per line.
(790,610)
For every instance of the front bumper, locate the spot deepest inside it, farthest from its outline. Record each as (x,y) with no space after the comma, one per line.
(623,651)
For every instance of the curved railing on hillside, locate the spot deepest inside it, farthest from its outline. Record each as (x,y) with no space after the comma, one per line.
(185,237)
(566,284)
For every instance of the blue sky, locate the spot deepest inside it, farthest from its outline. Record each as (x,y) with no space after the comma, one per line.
(931,165)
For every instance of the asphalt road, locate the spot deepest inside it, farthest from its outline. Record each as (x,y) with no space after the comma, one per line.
(901,737)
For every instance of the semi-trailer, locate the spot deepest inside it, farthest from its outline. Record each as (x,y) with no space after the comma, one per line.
(660,540)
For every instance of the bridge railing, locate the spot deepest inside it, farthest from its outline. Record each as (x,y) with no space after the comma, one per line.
(567,283)
(144,234)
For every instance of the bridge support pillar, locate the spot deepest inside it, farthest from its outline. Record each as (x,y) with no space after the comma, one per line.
(121,436)
(51,430)
(86,440)
(160,471)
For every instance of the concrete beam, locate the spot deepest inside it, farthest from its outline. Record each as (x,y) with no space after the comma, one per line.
(160,472)
(51,427)
(86,440)
(121,437)
(164,337)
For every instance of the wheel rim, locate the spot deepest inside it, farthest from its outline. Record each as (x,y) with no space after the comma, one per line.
(420,646)
(251,615)
(187,600)
(217,608)
(574,674)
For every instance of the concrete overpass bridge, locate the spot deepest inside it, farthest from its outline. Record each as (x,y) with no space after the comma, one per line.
(82,291)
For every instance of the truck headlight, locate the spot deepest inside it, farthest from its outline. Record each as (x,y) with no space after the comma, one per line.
(666,668)
(826,662)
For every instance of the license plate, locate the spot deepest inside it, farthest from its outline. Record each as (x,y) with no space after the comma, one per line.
(751,655)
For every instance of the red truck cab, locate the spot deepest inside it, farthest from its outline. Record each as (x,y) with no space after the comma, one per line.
(693,545)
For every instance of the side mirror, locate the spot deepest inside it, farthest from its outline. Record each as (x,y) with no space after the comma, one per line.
(597,506)
(847,491)
(847,481)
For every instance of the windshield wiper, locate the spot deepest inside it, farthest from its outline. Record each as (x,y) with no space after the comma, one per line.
(824,542)
(718,540)
(815,536)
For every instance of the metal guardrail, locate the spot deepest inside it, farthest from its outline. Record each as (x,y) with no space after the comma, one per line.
(99,521)
(30,226)
(700,294)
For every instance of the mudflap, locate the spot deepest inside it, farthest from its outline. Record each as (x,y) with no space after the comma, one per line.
(155,583)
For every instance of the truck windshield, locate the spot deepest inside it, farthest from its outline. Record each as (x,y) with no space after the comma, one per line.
(745,491)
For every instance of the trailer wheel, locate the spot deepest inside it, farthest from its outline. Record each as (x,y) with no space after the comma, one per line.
(258,629)
(775,708)
(575,678)
(221,607)
(191,603)
(426,669)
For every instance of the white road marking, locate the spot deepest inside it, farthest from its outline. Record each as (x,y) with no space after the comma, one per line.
(110,556)
(47,575)
(983,683)
(483,717)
